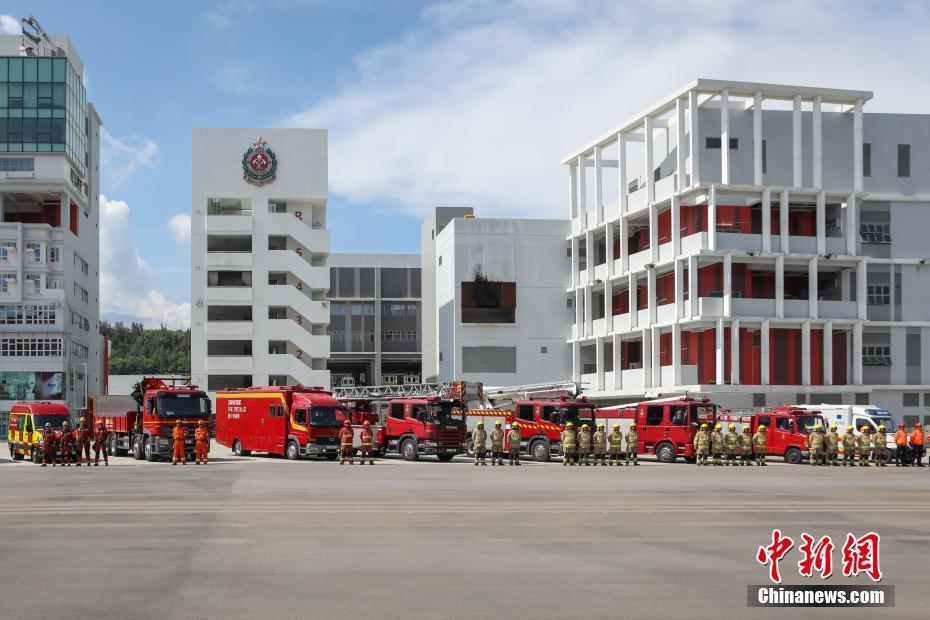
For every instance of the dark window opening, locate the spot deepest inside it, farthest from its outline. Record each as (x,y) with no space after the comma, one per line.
(904,160)
(487,301)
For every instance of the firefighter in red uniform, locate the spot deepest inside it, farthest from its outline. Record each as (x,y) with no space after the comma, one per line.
(202,439)
(48,445)
(67,444)
(345,444)
(365,437)
(101,444)
(82,435)
(178,435)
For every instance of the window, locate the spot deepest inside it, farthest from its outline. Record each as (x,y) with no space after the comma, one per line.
(758,399)
(875,233)
(878,294)
(784,424)
(17,164)
(486,301)
(715,143)
(54,255)
(6,279)
(765,157)
(440,260)
(300,416)
(5,248)
(30,347)
(679,414)
(397,411)
(866,159)
(35,280)
(337,309)
(27,315)
(911,399)
(81,293)
(366,309)
(569,303)
(81,264)
(654,415)
(79,350)
(525,412)
(418,413)
(860,422)
(904,160)
(34,252)
(543,350)
(876,355)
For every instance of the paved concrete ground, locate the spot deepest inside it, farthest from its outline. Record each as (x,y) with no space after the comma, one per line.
(264,537)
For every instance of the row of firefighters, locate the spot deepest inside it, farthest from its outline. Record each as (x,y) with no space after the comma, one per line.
(72,444)
(824,446)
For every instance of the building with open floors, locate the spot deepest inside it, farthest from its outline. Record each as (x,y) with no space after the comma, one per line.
(259,246)
(50,347)
(757,244)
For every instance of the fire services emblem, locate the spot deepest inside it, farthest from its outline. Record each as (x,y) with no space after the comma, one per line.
(259,164)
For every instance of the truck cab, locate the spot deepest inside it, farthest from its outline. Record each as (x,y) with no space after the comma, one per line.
(416,426)
(786,429)
(664,428)
(161,410)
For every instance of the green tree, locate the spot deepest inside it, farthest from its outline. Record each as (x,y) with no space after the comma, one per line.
(135,350)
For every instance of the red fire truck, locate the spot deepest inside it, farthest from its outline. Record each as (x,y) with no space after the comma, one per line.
(665,428)
(294,421)
(142,422)
(541,423)
(430,425)
(786,429)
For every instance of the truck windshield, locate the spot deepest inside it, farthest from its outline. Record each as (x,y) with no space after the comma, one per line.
(702,413)
(578,415)
(446,413)
(182,406)
(881,416)
(806,423)
(55,419)
(328,415)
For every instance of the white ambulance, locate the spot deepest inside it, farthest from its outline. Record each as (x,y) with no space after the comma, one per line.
(858,416)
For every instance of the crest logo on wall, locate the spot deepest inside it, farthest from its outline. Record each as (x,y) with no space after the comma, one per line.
(259,164)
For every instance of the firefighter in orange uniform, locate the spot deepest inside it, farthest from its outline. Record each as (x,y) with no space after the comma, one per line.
(100,444)
(178,435)
(202,445)
(900,444)
(917,443)
(83,434)
(48,445)
(345,444)
(365,438)
(67,444)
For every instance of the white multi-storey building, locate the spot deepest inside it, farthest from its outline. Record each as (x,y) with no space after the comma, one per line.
(259,245)
(758,244)
(50,347)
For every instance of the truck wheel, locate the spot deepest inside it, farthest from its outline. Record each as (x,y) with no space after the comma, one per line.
(445,458)
(408,448)
(665,452)
(237,449)
(17,455)
(540,451)
(137,452)
(793,456)
(114,451)
(149,452)
(469,450)
(292,451)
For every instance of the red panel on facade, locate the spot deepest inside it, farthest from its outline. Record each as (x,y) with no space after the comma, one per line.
(74,219)
(710,278)
(621,302)
(750,352)
(665,349)
(707,368)
(840,361)
(816,357)
(665,226)
(665,289)
(693,219)
(642,297)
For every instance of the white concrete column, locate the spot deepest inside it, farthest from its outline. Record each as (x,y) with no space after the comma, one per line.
(676,225)
(852,225)
(609,305)
(582,193)
(857,146)
(579,313)
(694,128)
(812,287)
(656,358)
(780,286)
(764,374)
(598,185)
(719,378)
(576,361)
(590,254)
(757,138)
(862,271)
(817,140)
(676,353)
(651,294)
(654,233)
(646,335)
(828,353)
(892,295)
(631,290)
(575,261)
(725,136)
(680,149)
(679,290)
(624,244)
(766,220)
(821,223)
(728,284)
(783,221)
(796,144)
(647,160)
(573,188)
(856,354)
(599,359)
(712,218)
(806,353)
(621,168)
(693,288)
(734,352)
(588,311)
(618,362)
(609,244)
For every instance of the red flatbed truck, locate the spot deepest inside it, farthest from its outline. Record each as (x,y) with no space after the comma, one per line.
(142,423)
(294,421)
(786,429)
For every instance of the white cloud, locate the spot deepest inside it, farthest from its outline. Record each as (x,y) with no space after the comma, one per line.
(9,25)
(180,227)
(119,157)
(124,274)
(222,13)
(480,102)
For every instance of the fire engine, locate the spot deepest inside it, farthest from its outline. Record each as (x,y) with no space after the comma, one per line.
(295,421)
(27,424)
(786,429)
(142,422)
(665,427)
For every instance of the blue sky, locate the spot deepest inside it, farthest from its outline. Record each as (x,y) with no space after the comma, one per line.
(461,102)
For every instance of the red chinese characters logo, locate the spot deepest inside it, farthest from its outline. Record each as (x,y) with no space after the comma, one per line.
(817,556)
(860,555)
(773,554)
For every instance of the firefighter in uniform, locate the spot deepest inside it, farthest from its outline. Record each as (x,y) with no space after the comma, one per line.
(497,444)
(513,443)
(584,444)
(83,434)
(745,447)
(900,446)
(815,443)
(67,444)
(615,441)
(100,444)
(479,438)
(346,435)
(600,445)
(569,445)
(865,443)
(366,437)
(632,445)
(917,443)
(48,445)
(201,443)
(850,443)
(832,445)
(880,447)
(759,445)
(178,453)
(716,445)
(731,444)
(701,444)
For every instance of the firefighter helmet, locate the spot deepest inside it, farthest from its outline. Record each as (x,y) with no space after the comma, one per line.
(762,427)
(202,423)
(716,426)
(178,423)
(864,428)
(601,425)
(567,425)
(703,425)
(632,425)
(48,425)
(616,427)
(833,427)
(366,423)
(480,423)
(498,423)
(881,427)
(515,425)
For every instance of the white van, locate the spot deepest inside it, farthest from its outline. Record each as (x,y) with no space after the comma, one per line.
(858,416)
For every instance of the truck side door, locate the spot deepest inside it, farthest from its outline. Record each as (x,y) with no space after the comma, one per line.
(276,429)
(394,421)
(656,427)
